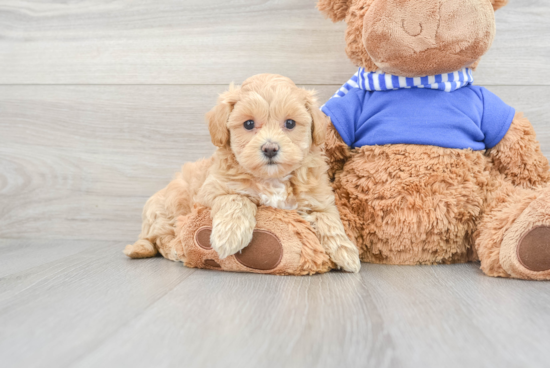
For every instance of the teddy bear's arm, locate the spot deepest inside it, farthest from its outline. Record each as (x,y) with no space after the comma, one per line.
(337,151)
(518,156)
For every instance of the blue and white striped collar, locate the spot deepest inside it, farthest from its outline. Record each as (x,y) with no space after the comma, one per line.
(377,81)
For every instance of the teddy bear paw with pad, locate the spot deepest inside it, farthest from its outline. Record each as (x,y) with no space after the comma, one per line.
(282,244)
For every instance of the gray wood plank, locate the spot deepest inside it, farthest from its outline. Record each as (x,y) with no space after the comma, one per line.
(239,320)
(388,316)
(97,308)
(53,314)
(79,162)
(214,42)
(130,138)
(18,256)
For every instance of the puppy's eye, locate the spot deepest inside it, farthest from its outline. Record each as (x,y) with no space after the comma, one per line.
(290,124)
(249,124)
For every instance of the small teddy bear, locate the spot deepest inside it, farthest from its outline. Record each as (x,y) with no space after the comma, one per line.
(428,168)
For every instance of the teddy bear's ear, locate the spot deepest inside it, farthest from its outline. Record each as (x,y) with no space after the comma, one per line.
(497,4)
(217,117)
(336,10)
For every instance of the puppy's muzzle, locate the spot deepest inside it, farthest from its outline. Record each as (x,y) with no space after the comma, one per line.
(270,150)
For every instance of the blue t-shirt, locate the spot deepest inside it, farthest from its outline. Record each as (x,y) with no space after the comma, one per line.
(470,117)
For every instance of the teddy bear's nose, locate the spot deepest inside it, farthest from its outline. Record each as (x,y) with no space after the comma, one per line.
(412,27)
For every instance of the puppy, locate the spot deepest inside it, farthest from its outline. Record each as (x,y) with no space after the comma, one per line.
(270,137)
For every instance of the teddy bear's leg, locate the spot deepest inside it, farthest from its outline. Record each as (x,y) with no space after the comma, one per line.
(513,237)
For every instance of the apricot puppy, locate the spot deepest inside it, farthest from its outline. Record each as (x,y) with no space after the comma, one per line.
(270,138)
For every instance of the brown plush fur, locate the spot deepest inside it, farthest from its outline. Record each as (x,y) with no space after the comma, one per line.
(335,9)
(519,146)
(410,204)
(239,177)
(402,202)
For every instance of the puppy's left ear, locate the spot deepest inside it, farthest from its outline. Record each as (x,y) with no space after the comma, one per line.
(217,117)
(319,119)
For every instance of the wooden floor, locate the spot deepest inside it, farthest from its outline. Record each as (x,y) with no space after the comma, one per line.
(101,101)
(71,303)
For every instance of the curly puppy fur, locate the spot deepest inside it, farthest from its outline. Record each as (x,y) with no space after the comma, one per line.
(409,204)
(239,177)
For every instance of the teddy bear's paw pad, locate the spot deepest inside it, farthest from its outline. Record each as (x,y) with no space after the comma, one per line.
(212,263)
(202,238)
(534,249)
(264,252)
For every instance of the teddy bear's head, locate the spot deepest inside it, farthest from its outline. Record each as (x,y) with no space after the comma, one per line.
(415,38)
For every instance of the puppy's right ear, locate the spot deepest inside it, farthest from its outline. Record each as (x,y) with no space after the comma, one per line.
(336,10)
(218,116)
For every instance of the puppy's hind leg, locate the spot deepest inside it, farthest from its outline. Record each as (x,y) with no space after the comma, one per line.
(157,235)
(162,210)
(154,225)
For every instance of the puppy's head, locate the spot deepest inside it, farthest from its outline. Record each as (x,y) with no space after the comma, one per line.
(269,124)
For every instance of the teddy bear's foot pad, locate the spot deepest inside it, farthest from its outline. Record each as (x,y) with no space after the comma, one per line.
(534,249)
(264,252)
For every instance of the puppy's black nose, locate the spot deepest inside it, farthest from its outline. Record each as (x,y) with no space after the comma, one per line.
(270,150)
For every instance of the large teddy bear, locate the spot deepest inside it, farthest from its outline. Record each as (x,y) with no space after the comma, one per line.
(428,168)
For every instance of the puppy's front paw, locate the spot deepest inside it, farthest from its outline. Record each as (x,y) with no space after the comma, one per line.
(228,238)
(346,256)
